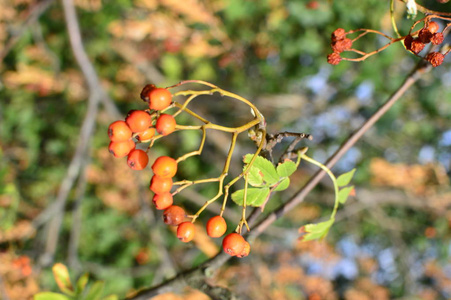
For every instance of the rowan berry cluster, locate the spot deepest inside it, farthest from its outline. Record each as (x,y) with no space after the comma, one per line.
(149,125)
(414,42)
(428,34)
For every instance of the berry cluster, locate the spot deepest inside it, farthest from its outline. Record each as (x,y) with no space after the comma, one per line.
(414,42)
(146,126)
(428,34)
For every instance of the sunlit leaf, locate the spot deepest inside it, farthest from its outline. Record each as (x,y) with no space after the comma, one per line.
(50,296)
(343,194)
(255,177)
(345,179)
(315,231)
(62,278)
(81,283)
(283,185)
(255,196)
(267,169)
(286,169)
(96,290)
(111,297)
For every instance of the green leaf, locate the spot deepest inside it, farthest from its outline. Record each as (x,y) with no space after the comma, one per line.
(111,297)
(344,193)
(62,279)
(81,283)
(255,177)
(345,179)
(96,290)
(266,168)
(315,231)
(255,196)
(283,185)
(50,296)
(286,169)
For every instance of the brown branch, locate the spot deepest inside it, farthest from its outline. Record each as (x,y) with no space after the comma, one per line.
(198,275)
(97,94)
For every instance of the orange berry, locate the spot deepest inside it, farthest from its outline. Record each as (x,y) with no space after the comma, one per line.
(121,149)
(137,159)
(246,250)
(165,124)
(146,134)
(160,185)
(233,244)
(119,131)
(138,120)
(165,166)
(159,98)
(216,226)
(173,215)
(185,231)
(163,200)
(433,27)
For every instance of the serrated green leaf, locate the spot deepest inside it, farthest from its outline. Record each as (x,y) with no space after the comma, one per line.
(81,283)
(283,185)
(345,179)
(267,169)
(286,169)
(255,196)
(50,296)
(95,292)
(316,231)
(344,193)
(62,278)
(255,177)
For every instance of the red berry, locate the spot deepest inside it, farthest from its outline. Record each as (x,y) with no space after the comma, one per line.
(437,38)
(121,149)
(165,124)
(138,120)
(165,167)
(233,244)
(435,58)
(160,98)
(185,232)
(433,27)
(160,185)
(145,135)
(145,93)
(137,159)
(173,215)
(334,58)
(246,250)
(119,131)
(163,200)
(416,46)
(216,226)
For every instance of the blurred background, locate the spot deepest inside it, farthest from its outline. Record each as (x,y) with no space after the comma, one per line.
(64,198)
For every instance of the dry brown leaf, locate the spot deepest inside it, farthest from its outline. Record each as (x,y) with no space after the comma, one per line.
(194,10)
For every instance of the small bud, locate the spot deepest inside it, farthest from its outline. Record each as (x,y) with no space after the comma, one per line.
(333,58)
(435,58)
